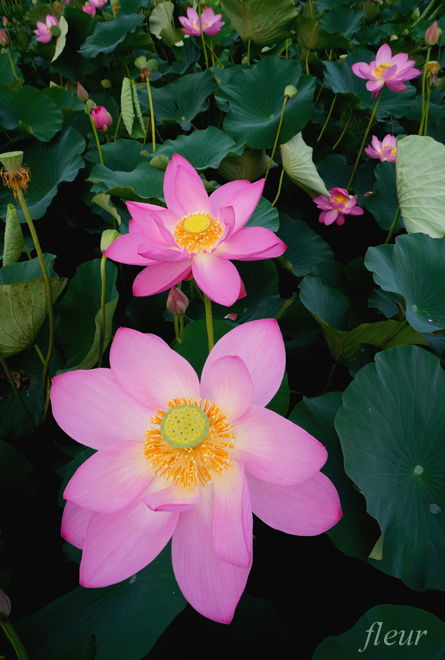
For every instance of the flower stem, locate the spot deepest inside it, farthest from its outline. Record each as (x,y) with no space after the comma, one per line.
(117,127)
(307,61)
(95,134)
(427,110)
(152,114)
(13,638)
(15,390)
(209,324)
(202,37)
(214,55)
(181,329)
(279,188)
(103,300)
(12,64)
(48,289)
(211,50)
(48,384)
(342,134)
(425,69)
(277,136)
(327,120)
(364,140)
(177,331)
(393,226)
(248,52)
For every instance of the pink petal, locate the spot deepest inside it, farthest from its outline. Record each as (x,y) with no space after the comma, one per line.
(308,509)
(91,408)
(125,249)
(111,479)
(260,346)
(274,449)
(232,517)
(395,86)
(371,152)
(217,278)
(389,72)
(212,586)
(389,141)
(231,386)
(192,14)
(207,15)
(190,191)
(356,210)
(163,497)
(375,85)
(250,244)
(142,215)
(149,370)
(160,277)
(361,69)
(400,60)
(243,198)
(409,75)
(376,144)
(384,54)
(169,255)
(74,524)
(330,216)
(120,544)
(227,219)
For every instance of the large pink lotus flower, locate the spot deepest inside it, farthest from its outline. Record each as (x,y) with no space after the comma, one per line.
(188,459)
(385,150)
(211,24)
(44,29)
(101,118)
(196,235)
(339,204)
(386,70)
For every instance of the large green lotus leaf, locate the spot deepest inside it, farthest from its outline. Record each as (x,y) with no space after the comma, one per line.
(342,19)
(384,203)
(265,215)
(180,101)
(256,98)
(391,431)
(6,73)
(110,623)
(397,633)
(415,268)
(50,164)
(335,171)
(30,111)
(142,183)
(315,38)
(67,102)
(420,167)
(161,17)
(261,21)
(78,332)
(108,35)
(251,166)
(305,248)
(131,6)
(356,533)
(327,303)
(202,149)
(120,156)
(299,166)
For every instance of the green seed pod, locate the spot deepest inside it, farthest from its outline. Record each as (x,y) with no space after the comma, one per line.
(13,237)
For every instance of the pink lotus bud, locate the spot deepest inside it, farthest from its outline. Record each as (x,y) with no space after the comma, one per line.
(231,317)
(5,21)
(177,302)
(82,93)
(5,604)
(4,41)
(101,118)
(89,9)
(432,34)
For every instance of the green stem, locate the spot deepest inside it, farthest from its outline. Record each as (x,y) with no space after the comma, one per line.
(177,331)
(248,52)
(12,64)
(103,300)
(15,390)
(307,61)
(202,37)
(27,251)
(327,120)
(181,329)
(343,132)
(117,127)
(422,16)
(364,139)
(152,114)
(14,639)
(48,289)
(279,188)
(211,50)
(277,136)
(319,92)
(209,324)
(312,11)
(393,226)
(425,69)
(95,134)
(427,110)
(214,56)
(48,384)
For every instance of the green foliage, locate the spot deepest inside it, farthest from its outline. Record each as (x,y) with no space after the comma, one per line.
(31,111)
(108,35)
(261,21)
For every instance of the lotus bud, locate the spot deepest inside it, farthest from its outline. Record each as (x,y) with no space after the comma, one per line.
(106,84)
(231,317)
(12,160)
(108,237)
(5,21)
(432,34)
(4,40)
(177,302)
(101,118)
(55,30)
(82,93)
(290,92)
(5,604)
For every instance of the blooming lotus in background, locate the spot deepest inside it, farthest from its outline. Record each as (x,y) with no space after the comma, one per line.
(339,204)
(385,150)
(211,24)
(98,4)
(196,236)
(101,118)
(189,460)
(386,70)
(44,29)
(89,9)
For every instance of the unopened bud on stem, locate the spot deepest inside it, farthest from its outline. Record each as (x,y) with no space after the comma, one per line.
(177,301)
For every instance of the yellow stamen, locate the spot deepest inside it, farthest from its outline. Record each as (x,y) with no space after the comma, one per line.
(378,72)
(433,67)
(197,232)
(341,198)
(185,464)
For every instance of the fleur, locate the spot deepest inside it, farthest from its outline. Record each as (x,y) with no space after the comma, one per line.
(385,150)
(386,70)
(101,118)
(4,39)
(189,460)
(196,236)
(89,9)
(339,204)
(98,4)
(211,24)
(82,93)
(432,34)
(177,301)
(5,604)
(44,29)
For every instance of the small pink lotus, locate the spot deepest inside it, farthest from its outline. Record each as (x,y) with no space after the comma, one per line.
(386,70)
(4,40)
(188,459)
(211,24)
(98,4)
(385,150)
(89,9)
(101,118)
(44,29)
(339,204)
(197,236)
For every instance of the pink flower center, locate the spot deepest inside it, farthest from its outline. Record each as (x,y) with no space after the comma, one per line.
(388,152)
(378,72)
(197,232)
(340,199)
(189,442)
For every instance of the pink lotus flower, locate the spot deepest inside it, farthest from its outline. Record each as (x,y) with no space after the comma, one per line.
(101,118)
(339,204)
(385,150)
(98,4)
(44,29)
(89,9)
(196,235)
(386,70)
(211,24)
(186,459)
(4,39)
